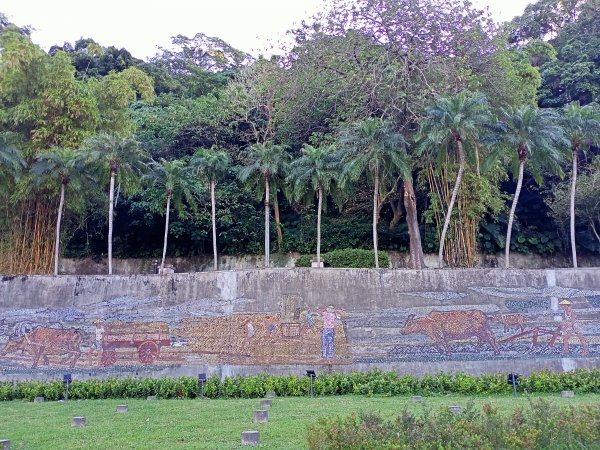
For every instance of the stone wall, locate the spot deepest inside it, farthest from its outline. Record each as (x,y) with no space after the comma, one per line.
(278,320)
(201,263)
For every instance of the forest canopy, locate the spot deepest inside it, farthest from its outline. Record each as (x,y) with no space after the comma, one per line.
(409,125)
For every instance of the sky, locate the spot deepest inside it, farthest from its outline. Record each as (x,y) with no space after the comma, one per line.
(141,26)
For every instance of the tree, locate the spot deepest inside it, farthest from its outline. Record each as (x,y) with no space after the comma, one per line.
(371,145)
(265,162)
(314,173)
(176,180)
(67,166)
(587,201)
(118,157)
(536,134)
(454,119)
(210,165)
(11,158)
(582,128)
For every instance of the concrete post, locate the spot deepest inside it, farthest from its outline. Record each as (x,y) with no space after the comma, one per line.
(250,437)
(261,416)
(78,421)
(122,408)
(38,399)
(455,409)
(265,404)
(4,444)
(567,394)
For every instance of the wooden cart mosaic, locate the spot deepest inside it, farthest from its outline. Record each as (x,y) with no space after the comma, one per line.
(144,338)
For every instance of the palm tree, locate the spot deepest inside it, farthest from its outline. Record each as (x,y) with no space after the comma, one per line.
(582,128)
(176,179)
(210,164)
(371,145)
(454,119)
(314,173)
(68,167)
(265,161)
(119,157)
(536,134)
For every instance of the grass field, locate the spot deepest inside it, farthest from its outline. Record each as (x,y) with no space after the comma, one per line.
(210,424)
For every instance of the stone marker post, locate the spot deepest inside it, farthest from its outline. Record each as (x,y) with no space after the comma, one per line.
(261,416)
(455,409)
(250,437)
(265,404)
(5,444)
(152,397)
(122,408)
(38,399)
(567,394)
(416,398)
(78,421)
(271,394)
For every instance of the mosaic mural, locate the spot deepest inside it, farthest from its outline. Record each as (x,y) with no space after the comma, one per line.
(478,324)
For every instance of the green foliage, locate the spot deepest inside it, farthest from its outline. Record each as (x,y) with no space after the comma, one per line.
(374,382)
(350,257)
(541,425)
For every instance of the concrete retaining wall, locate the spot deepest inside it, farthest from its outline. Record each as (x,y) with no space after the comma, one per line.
(277,320)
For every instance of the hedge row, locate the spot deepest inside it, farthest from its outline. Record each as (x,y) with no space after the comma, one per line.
(355,258)
(373,382)
(542,425)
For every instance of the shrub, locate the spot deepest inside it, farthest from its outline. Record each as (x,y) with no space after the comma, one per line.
(347,258)
(543,425)
(373,382)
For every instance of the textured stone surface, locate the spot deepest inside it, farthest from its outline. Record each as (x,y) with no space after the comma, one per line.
(416,398)
(250,437)
(256,321)
(567,394)
(78,421)
(122,408)
(38,400)
(152,397)
(265,404)
(455,409)
(271,394)
(261,416)
(4,444)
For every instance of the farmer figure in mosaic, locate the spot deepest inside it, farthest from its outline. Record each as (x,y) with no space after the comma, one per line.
(329,315)
(568,327)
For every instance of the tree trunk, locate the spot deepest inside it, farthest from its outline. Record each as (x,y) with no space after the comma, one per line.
(572,205)
(375,218)
(459,176)
(511,216)
(58,222)
(277,223)
(214,221)
(319,208)
(397,210)
(111,201)
(410,204)
(267,249)
(162,263)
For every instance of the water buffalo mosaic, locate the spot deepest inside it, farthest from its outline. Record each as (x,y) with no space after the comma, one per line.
(131,332)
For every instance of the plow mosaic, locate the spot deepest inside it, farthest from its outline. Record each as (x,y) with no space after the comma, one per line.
(131,332)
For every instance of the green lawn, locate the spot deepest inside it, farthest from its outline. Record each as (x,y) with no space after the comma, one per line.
(207,424)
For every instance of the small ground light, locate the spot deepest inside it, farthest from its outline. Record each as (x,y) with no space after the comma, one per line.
(312,375)
(67,378)
(201,381)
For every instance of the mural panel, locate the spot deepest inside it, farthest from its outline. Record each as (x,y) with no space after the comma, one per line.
(486,323)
